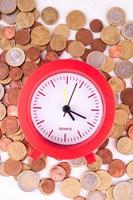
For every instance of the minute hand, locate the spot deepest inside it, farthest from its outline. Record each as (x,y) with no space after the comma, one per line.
(78,114)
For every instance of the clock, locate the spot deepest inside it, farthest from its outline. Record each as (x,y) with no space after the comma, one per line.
(66,109)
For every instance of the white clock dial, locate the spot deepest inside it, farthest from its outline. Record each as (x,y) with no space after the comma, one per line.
(47,108)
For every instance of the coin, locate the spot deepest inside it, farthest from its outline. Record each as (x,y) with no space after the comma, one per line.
(16,73)
(77,162)
(25,20)
(96,59)
(10,18)
(118,131)
(22,37)
(2,171)
(121,117)
(106,155)
(57,173)
(75,19)
(49,15)
(122,191)
(13,96)
(29,67)
(33,53)
(125,145)
(4,143)
(37,165)
(96,165)
(127,49)
(16,150)
(51,56)
(8,32)
(117,84)
(58,43)
(108,65)
(1,91)
(28,180)
(116,16)
(79,198)
(116,51)
(7,6)
(98,45)
(127,96)
(124,69)
(85,36)
(110,35)
(96,25)
(10,124)
(66,166)
(4,71)
(130,132)
(15,57)
(130,169)
(44,36)
(76,49)
(95,195)
(127,30)
(46,186)
(105,180)
(62,29)
(26,6)
(2,111)
(70,187)
(109,193)
(117,168)
(90,181)
(12,167)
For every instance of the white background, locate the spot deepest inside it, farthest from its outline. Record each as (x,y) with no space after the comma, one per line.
(92,9)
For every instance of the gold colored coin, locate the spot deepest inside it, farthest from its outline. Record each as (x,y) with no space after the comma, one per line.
(105,179)
(36,14)
(62,29)
(118,132)
(127,49)
(117,84)
(109,193)
(76,19)
(2,111)
(108,65)
(26,6)
(96,165)
(16,150)
(49,15)
(6,81)
(130,169)
(44,36)
(110,35)
(70,187)
(25,20)
(6,44)
(125,145)
(124,107)
(58,42)
(76,49)
(121,117)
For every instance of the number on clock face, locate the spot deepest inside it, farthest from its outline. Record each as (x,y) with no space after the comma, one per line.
(47,105)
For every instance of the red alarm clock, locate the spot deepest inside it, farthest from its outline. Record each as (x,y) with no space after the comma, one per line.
(66,110)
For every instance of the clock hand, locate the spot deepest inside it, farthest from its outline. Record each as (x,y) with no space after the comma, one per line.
(77,114)
(71,116)
(66,109)
(71,97)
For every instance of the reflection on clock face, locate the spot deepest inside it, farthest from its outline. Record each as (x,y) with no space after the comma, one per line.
(66,108)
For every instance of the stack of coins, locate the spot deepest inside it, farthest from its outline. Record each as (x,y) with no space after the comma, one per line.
(23,52)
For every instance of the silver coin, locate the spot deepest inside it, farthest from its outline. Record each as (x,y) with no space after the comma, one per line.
(123,191)
(7,6)
(116,16)
(10,18)
(15,57)
(77,162)
(1,91)
(127,30)
(96,195)
(124,69)
(28,180)
(96,59)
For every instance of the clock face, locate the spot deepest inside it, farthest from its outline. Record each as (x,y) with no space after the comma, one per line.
(66,108)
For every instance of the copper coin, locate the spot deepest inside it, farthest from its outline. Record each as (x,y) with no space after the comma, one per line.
(4,71)
(10,18)
(124,69)
(22,37)
(13,96)
(57,173)
(127,96)
(37,165)
(8,32)
(33,53)
(127,30)
(130,132)
(98,44)
(26,6)
(15,84)
(12,167)
(66,166)
(85,36)
(16,73)
(106,155)
(29,67)
(2,171)
(49,15)
(51,56)
(116,51)
(7,6)
(4,143)
(58,43)
(47,186)
(3,57)
(116,16)
(76,49)
(96,25)
(117,168)
(76,19)
(10,124)
(129,124)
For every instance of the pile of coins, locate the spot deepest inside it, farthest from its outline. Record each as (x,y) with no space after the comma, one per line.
(22,52)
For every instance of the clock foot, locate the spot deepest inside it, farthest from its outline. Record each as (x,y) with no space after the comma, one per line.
(34,154)
(90,158)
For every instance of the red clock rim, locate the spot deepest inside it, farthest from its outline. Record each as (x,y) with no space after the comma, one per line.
(46,147)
